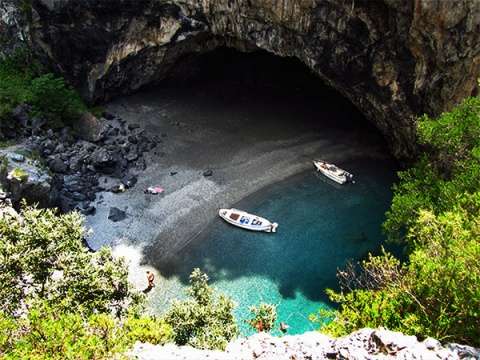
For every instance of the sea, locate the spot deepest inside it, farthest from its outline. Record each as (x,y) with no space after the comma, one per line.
(322,225)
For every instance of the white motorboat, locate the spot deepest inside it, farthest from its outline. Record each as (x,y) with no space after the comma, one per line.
(333,172)
(247,221)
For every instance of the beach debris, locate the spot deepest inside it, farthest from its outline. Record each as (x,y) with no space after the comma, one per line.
(207,172)
(154,190)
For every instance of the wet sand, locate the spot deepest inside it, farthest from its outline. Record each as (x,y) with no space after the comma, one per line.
(247,138)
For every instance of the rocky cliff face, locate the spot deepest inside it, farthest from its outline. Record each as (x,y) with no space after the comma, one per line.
(392,59)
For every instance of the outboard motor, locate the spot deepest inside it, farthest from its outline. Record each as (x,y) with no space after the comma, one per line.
(349,177)
(273,227)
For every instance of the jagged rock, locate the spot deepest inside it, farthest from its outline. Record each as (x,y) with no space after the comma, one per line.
(89,128)
(116,214)
(21,116)
(74,164)
(37,124)
(65,137)
(133,139)
(107,115)
(22,179)
(104,160)
(58,165)
(131,157)
(129,180)
(313,345)
(141,164)
(85,208)
(132,127)
(121,168)
(18,158)
(464,352)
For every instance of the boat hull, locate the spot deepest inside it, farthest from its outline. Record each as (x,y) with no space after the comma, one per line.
(333,172)
(247,221)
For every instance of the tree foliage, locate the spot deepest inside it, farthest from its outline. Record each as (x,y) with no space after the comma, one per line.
(50,98)
(53,100)
(43,258)
(264,317)
(435,210)
(16,73)
(204,321)
(59,300)
(448,170)
(49,332)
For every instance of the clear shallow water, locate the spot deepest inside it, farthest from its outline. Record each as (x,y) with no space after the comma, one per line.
(321,224)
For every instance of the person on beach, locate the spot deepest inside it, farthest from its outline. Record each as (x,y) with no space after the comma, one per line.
(150,278)
(283,327)
(260,326)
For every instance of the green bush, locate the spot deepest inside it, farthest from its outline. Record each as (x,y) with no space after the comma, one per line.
(24,81)
(51,99)
(435,211)
(44,259)
(50,332)
(58,300)
(204,321)
(264,317)
(16,74)
(448,170)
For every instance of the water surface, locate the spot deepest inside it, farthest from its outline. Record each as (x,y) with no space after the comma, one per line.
(321,225)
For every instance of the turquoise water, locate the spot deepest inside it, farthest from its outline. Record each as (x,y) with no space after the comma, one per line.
(321,224)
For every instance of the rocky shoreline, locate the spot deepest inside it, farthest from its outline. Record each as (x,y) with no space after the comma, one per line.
(363,344)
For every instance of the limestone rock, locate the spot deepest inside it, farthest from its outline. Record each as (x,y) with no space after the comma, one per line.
(91,129)
(23,179)
(314,345)
(392,59)
(116,214)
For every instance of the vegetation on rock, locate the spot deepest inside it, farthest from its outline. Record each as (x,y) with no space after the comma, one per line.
(435,211)
(49,97)
(264,317)
(204,321)
(58,299)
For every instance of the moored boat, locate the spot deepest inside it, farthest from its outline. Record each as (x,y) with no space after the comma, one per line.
(333,172)
(247,221)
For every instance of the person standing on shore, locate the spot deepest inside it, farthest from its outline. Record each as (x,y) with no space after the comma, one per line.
(150,278)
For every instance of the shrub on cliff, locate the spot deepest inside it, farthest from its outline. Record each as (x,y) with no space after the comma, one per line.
(49,332)
(53,100)
(204,321)
(50,98)
(435,210)
(449,168)
(43,258)
(60,300)
(264,317)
